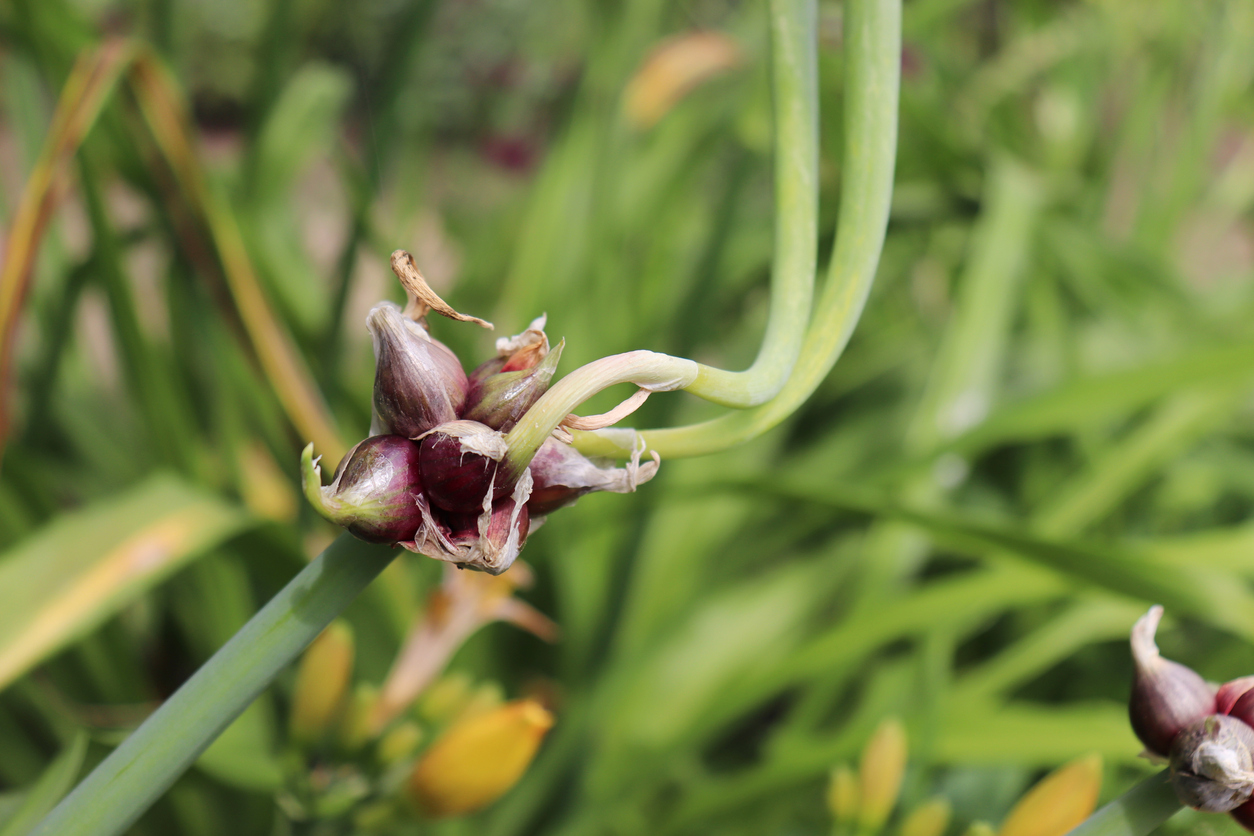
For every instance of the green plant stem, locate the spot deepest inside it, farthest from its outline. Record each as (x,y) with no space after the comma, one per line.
(872,82)
(647,369)
(794,66)
(794,70)
(127,782)
(1135,813)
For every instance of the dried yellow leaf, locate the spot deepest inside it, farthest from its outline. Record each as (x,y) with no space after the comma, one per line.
(676,67)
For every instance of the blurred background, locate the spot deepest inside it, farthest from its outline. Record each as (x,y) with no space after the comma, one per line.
(1042,425)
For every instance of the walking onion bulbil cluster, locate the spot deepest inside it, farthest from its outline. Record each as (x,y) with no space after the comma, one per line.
(1205,732)
(436,475)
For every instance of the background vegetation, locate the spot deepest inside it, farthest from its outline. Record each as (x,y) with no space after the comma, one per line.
(1041,426)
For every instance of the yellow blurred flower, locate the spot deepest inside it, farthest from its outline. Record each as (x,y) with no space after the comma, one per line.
(479,758)
(321,682)
(866,797)
(1062,800)
(676,67)
(929,819)
(882,768)
(842,795)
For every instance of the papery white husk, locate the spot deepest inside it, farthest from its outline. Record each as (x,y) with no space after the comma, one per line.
(473,437)
(533,339)
(559,465)
(480,553)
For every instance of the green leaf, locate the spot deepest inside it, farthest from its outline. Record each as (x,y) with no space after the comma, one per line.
(301,125)
(48,790)
(74,574)
(727,641)
(1037,735)
(9,804)
(1093,400)
(1138,811)
(243,756)
(1211,595)
(1089,620)
(127,782)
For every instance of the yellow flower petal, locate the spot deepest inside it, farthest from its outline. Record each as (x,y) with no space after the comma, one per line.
(929,819)
(980,828)
(883,765)
(1062,800)
(842,795)
(478,759)
(321,681)
(674,69)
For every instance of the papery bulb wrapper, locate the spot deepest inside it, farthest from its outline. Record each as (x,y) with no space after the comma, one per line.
(562,474)
(1166,696)
(419,383)
(1212,764)
(374,491)
(489,541)
(460,466)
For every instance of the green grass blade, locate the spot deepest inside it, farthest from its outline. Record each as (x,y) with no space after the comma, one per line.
(1084,622)
(971,357)
(1092,400)
(873,78)
(1137,812)
(122,787)
(1021,733)
(80,570)
(1213,596)
(48,790)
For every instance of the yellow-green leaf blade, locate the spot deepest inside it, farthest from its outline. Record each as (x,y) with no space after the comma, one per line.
(75,573)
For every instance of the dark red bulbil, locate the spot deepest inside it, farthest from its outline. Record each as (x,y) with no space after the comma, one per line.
(1236,698)
(454,479)
(431,478)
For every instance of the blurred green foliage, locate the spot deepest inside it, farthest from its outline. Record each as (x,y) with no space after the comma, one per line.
(1041,426)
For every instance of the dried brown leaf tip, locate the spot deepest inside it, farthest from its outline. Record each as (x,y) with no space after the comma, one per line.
(421,297)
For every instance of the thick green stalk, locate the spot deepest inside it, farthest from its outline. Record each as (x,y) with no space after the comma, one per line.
(127,782)
(794,69)
(1137,812)
(794,77)
(647,369)
(872,82)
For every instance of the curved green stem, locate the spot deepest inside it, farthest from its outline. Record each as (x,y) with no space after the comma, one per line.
(1135,813)
(794,67)
(647,369)
(127,782)
(872,82)
(794,78)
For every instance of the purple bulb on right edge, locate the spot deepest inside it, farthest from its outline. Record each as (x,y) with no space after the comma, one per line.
(1206,734)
